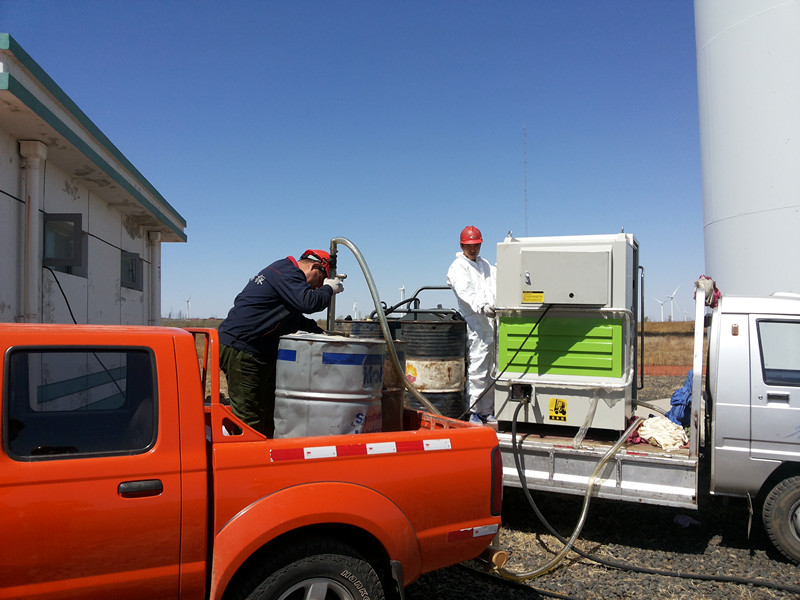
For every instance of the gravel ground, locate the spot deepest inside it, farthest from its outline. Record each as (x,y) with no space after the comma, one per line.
(712,541)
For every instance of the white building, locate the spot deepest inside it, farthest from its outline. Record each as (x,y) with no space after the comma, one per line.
(81,228)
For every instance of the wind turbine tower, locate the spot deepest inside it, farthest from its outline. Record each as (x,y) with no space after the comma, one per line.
(672,304)
(661,302)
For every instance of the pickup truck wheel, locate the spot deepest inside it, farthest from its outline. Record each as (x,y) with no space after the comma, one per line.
(781,517)
(322,577)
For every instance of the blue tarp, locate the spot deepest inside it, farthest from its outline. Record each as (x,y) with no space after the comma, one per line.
(681,401)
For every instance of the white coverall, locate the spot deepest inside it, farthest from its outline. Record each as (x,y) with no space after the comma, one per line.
(474,284)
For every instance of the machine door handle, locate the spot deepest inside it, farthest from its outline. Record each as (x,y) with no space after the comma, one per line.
(140,489)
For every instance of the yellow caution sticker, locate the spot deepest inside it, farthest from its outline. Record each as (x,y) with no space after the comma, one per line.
(558,409)
(533,297)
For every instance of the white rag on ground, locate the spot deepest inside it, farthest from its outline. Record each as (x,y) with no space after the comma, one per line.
(660,431)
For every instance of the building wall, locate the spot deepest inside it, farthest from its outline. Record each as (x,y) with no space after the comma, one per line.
(94,297)
(54,160)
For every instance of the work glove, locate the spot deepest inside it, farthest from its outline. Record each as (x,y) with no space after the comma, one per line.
(488,310)
(335,283)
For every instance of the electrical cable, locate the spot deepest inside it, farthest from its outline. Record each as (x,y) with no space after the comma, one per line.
(66,301)
(501,373)
(74,320)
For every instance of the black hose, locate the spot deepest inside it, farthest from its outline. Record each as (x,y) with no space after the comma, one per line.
(624,566)
(501,373)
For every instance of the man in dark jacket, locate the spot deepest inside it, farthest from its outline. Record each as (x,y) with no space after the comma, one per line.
(272,304)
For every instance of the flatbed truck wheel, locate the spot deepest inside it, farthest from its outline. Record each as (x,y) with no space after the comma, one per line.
(781,517)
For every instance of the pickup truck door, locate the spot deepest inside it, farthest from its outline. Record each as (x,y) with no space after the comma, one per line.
(775,387)
(89,474)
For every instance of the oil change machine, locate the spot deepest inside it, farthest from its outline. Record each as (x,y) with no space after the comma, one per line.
(566,321)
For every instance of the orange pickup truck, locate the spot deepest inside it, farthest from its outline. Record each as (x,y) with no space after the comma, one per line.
(121,478)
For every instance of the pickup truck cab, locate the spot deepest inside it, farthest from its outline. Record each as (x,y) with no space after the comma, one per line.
(120,477)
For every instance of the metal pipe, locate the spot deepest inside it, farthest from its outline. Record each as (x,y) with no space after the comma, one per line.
(641,324)
(494,558)
(154,241)
(381,319)
(34,153)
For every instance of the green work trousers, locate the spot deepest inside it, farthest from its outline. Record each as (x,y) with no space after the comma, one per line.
(251,388)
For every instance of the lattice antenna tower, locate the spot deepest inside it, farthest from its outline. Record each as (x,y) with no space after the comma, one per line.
(525,171)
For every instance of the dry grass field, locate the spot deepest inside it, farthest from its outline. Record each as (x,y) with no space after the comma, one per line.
(668,343)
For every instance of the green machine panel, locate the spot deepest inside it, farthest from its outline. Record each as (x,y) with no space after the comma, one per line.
(586,346)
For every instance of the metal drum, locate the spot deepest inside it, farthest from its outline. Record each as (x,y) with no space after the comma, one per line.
(393,389)
(328,385)
(435,359)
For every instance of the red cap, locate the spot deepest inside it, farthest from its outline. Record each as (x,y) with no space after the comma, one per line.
(471,235)
(319,256)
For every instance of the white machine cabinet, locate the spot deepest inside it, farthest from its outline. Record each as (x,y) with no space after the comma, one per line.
(566,329)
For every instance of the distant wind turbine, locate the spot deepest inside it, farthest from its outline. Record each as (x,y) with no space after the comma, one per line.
(672,304)
(661,302)
(402,292)
(189,306)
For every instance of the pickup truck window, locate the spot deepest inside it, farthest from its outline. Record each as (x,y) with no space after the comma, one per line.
(780,352)
(69,404)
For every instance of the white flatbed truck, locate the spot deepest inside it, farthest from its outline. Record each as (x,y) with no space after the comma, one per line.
(744,429)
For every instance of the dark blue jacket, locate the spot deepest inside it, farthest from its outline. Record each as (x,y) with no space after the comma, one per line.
(271,305)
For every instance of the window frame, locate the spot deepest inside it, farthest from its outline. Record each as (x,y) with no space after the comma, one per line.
(75,241)
(136,265)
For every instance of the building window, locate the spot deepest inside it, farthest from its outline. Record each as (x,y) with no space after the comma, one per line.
(71,403)
(131,271)
(63,240)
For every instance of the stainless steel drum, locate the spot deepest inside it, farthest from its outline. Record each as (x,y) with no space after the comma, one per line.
(328,385)
(393,389)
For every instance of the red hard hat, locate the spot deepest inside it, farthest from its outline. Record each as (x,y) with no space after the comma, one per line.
(471,235)
(319,256)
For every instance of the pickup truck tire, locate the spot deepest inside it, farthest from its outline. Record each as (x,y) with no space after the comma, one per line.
(323,576)
(781,517)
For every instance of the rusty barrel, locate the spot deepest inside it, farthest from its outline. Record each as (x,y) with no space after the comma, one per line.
(435,359)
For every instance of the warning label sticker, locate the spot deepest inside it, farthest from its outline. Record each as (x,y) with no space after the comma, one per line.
(533,297)
(558,409)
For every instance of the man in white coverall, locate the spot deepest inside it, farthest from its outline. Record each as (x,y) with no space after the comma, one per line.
(474,281)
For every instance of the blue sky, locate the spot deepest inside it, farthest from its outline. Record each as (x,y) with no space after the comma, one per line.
(273,127)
